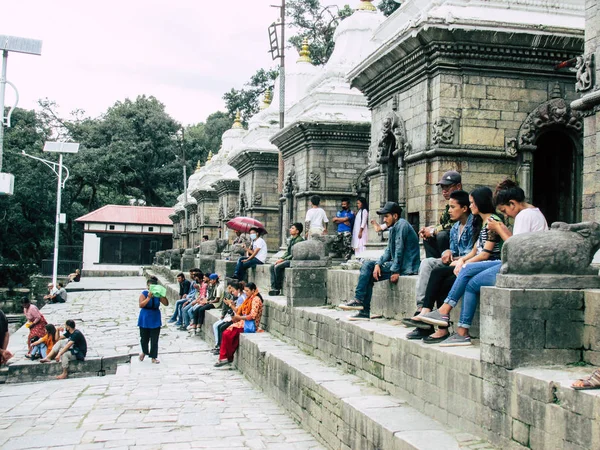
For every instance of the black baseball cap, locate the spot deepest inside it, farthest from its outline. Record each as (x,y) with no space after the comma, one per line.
(390,208)
(450,177)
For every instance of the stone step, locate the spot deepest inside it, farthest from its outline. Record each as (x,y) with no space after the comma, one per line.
(341,410)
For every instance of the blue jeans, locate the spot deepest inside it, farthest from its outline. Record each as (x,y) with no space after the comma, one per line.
(468,285)
(364,288)
(187,314)
(241,267)
(177,314)
(40,349)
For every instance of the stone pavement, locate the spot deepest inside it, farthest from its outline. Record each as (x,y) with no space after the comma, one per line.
(182,403)
(107,283)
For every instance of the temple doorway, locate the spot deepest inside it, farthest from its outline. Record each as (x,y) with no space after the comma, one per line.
(557,173)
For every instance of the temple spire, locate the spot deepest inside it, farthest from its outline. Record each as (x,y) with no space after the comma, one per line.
(210,155)
(237,123)
(267,100)
(366,5)
(198,166)
(305,52)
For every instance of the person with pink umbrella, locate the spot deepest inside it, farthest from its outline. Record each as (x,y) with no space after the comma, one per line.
(255,255)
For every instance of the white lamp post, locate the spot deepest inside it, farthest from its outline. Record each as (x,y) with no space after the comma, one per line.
(19,45)
(57,147)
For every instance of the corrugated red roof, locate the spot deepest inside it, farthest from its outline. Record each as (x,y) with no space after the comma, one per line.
(146,215)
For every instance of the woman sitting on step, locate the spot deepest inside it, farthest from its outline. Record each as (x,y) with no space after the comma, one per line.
(231,303)
(246,320)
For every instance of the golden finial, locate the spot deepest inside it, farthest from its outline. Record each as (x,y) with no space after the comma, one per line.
(305,52)
(366,5)
(198,166)
(210,155)
(266,100)
(237,123)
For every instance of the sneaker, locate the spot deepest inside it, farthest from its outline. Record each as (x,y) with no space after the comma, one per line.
(359,316)
(456,340)
(412,323)
(417,333)
(435,318)
(274,292)
(435,340)
(351,305)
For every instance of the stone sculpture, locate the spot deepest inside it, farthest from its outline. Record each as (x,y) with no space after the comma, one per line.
(443,132)
(585,73)
(212,247)
(567,249)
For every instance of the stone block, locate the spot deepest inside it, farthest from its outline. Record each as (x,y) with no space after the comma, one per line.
(490,137)
(306,286)
(520,432)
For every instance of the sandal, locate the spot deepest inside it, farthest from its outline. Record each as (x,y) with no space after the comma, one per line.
(592,382)
(155,361)
(142,356)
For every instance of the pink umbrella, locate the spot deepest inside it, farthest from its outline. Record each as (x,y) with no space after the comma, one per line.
(243,224)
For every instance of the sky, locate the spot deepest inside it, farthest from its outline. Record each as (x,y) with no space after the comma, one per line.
(186,53)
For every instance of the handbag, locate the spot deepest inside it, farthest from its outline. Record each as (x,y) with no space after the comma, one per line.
(249,326)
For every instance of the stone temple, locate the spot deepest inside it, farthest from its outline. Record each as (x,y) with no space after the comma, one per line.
(492,89)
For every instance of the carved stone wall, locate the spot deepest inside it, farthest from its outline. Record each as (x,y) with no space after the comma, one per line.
(228,193)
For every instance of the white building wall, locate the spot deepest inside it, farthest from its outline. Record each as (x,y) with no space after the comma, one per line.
(91,250)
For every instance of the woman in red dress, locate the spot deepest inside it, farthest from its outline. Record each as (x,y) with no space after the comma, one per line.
(37,323)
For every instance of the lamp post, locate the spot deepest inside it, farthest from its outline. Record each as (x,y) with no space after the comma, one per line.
(57,147)
(19,45)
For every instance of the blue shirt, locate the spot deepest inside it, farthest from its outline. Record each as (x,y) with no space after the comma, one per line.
(341,227)
(150,314)
(463,244)
(402,253)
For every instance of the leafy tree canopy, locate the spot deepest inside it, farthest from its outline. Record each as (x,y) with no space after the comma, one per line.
(247,100)
(387,7)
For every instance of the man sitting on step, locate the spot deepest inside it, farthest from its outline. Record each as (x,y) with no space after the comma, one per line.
(401,257)
(278,268)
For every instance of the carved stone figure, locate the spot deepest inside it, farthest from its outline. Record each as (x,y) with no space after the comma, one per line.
(314,180)
(311,250)
(291,181)
(213,247)
(393,140)
(231,212)
(221,212)
(567,249)
(443,132)
(585,73)
(243,200)
(511,148)
(206,220)
(551,113)
(258,199)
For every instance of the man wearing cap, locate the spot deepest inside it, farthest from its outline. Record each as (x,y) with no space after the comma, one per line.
(401,257)
(436,239)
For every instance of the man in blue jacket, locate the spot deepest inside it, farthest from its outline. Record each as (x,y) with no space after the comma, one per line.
(401,257)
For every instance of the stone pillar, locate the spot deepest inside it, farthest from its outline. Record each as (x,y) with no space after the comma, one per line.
(208,212)
(176,235)
(192,225)
(227,192)
(306,279)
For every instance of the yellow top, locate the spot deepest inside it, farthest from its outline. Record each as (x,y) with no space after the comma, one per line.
(266,100)
(237,123)
(305,52)
(198,166)
(366,5)
(210,155)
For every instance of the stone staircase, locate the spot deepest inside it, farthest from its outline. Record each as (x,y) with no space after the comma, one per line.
(358,385)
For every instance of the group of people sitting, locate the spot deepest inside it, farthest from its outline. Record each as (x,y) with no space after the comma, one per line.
(473,228)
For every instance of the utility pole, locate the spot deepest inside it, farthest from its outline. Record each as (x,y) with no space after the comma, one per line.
(278,52)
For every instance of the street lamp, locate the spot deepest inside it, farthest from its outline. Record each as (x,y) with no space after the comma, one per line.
(19,45)
(60,148)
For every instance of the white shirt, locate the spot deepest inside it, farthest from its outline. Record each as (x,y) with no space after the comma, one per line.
(262,245)
(316,217)
(530,220)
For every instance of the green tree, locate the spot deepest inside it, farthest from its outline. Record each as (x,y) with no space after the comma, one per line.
(316,23)
(247,100)
(387,7)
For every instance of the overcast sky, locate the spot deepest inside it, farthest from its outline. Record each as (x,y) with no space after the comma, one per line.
(186,53)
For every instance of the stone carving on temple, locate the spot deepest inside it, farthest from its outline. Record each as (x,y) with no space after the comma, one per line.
(206,220)
(231,212)
(555,112)
(585,73)
(291,181)
(511,148)
(442,131)
(392,141)
(258,199)
(243,201)
(314,180)
(221,212)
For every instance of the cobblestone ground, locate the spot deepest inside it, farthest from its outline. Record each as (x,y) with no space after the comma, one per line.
(184,402)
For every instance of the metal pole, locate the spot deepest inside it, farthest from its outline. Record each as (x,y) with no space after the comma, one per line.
(57,229)
(185,187)
(2,92)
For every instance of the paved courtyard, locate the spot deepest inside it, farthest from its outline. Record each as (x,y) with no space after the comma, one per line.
(184,402)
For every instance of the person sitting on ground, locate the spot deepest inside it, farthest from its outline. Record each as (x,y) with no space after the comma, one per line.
(278,268)
(315,222)
(187,311)
(401,257)
(36,323)
(213,301)
(43,346)
(5,355)
(486,252)
(256,255)
(75,277)
(52,291)
(229,307)
(60,295)
(436,239)
(250,310)
(509,198)
(192,290)
(150,321)
(69,347)
(461,243)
